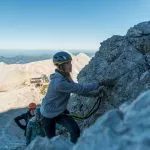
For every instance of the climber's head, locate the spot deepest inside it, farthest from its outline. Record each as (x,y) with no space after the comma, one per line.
(32,107)
(63,61)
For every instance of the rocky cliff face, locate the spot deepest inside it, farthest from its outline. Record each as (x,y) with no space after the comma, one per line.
(124,58)
(126,128)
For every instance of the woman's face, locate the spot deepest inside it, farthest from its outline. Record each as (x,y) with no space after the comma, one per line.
(68,67)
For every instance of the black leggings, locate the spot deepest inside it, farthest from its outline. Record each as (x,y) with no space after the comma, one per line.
(49,125)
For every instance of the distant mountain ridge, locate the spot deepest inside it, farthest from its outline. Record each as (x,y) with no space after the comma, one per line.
(13,75)
(23,59)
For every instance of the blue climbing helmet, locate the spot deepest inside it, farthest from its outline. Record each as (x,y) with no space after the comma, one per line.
(61,57)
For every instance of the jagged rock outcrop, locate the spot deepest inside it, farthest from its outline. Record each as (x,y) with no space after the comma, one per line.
(124,58)
(126,128)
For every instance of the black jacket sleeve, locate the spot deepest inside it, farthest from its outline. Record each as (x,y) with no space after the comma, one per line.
(21,117)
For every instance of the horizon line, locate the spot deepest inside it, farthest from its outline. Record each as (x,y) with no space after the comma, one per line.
(48,49)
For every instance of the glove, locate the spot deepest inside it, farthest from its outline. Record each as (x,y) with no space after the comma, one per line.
(108,83)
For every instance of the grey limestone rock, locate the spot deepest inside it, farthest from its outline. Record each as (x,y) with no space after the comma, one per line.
(117,130)
(123,58)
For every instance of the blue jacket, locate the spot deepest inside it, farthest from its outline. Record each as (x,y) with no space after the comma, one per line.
(58,94)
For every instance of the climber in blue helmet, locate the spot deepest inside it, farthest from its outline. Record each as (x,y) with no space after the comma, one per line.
(55,102)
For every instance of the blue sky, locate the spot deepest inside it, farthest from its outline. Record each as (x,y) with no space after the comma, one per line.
(67,24)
